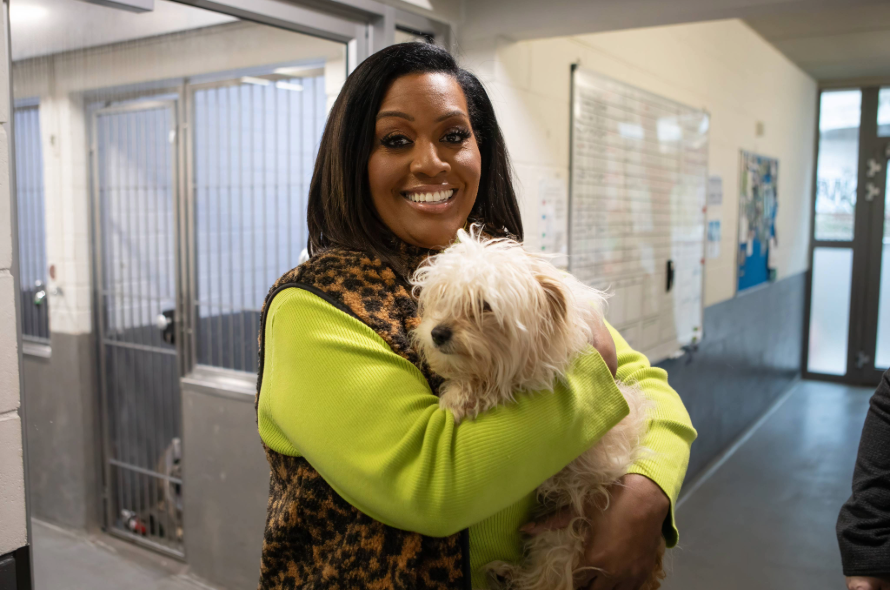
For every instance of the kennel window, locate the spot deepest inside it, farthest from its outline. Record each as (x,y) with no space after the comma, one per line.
(31,223)
(254,149)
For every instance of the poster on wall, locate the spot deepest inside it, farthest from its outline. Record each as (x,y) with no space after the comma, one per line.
(758,182)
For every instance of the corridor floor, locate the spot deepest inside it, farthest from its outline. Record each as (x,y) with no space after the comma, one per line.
(64,560)
(764,520)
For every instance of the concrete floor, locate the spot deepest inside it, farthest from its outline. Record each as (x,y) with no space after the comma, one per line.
(67,561)
(763,520)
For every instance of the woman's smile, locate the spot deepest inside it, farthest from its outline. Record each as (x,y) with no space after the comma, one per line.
(430,199)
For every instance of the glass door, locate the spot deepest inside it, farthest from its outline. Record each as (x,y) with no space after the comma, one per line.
(879,271)
(848,328)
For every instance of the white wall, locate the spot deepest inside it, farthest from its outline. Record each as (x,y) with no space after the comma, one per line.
(721,66)
(13,529)
(60,81)
(533,19)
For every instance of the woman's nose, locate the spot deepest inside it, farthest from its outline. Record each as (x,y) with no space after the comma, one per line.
(427,161)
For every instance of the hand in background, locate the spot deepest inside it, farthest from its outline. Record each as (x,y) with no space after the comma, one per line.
(625,540)
(862,583)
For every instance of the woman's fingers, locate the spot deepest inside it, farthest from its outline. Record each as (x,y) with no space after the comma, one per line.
(557,520)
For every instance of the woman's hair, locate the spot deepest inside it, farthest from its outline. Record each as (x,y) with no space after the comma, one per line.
(341,211)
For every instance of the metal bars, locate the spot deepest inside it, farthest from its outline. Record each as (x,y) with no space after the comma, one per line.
(135,180)
(32,224)
(254,146)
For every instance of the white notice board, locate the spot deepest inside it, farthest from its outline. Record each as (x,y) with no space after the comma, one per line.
(639,175)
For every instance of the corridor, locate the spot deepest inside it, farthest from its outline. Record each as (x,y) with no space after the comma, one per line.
(764,520)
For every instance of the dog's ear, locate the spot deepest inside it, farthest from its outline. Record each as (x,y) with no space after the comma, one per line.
(555,293)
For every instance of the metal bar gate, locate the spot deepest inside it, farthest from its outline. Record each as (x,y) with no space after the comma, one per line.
(136,198)
(190,233)
(32,228)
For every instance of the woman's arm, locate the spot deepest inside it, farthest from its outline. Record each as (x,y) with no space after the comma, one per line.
(365,418)
(670,432)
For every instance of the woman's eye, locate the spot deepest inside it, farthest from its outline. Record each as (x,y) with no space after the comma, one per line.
(395,141)
(456,136)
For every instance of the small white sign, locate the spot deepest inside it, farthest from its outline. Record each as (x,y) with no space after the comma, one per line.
(554,221)
(715,190)
(713,249)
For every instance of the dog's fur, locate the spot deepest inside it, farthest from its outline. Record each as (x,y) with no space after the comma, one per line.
(516,322)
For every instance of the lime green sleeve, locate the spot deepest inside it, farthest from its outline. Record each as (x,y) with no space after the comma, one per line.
(670,433)
(365,418)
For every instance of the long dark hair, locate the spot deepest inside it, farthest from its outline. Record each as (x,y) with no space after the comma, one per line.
(341,212)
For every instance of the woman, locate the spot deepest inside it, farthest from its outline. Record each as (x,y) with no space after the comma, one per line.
(373,486)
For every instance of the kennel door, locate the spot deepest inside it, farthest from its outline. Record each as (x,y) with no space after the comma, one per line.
(134,184)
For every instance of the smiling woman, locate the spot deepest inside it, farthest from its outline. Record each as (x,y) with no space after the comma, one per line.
(373,485)
(425,165)
(423,126)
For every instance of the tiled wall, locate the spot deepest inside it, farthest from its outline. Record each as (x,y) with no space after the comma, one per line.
(13,529)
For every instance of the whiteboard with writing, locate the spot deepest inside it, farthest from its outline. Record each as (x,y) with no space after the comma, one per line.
(636,223)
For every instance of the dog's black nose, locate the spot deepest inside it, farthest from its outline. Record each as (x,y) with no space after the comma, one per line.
(441,335)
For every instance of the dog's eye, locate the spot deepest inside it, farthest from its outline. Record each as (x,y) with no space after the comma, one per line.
(486,306)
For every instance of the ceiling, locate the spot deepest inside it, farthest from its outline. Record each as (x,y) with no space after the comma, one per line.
(42,27)
(842,43)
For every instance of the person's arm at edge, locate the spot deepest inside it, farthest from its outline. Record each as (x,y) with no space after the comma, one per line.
(866,513)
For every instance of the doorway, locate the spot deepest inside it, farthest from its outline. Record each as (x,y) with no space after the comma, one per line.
(199,205)
(848,302)
(135,179)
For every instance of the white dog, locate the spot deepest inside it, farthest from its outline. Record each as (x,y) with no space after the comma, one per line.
(497,321)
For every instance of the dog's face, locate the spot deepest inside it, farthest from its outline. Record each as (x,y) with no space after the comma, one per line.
(487,308)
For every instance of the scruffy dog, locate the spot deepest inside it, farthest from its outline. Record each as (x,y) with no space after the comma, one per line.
(496,322)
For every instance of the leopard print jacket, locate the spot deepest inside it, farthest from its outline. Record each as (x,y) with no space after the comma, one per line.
(314,539)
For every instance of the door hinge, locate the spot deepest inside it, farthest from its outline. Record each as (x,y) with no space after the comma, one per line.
(862,359)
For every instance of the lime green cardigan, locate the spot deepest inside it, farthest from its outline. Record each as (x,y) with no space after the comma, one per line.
(365,418)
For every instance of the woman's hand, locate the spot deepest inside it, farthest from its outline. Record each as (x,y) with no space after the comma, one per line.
(862,583)
(602,341)
(625,540)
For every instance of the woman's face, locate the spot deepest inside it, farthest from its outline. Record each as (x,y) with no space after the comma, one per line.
(425,165)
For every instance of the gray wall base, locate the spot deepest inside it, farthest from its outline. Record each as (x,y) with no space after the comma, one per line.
(225,488)
(750,355)
(63,433)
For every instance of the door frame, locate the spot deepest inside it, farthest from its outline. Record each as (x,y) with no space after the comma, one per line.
(865,246)
(131,105)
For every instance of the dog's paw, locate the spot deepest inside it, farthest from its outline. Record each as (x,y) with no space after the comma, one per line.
(455,399)
(456,409)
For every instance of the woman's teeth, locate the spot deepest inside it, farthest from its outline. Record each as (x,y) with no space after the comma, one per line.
(436,197)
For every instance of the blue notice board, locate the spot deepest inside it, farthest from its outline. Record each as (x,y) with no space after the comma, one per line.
(758,183)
